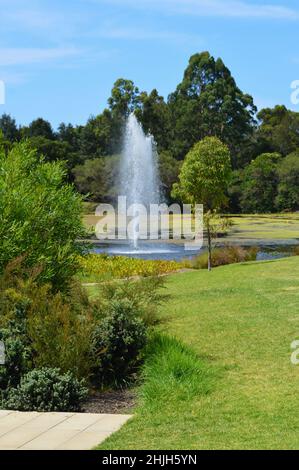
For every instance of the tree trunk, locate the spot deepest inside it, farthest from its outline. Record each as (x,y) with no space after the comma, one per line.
(209,249)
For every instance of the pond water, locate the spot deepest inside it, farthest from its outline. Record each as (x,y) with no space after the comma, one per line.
(172,252)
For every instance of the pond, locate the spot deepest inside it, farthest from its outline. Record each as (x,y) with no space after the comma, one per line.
(176,252)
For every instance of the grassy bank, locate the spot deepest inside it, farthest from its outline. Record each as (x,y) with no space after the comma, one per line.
(232,385)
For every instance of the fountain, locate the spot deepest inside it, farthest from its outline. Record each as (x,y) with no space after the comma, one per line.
(139,180)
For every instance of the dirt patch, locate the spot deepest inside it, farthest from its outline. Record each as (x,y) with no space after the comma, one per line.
(110,402)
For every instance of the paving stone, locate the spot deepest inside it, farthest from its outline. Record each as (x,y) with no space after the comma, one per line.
(49,431)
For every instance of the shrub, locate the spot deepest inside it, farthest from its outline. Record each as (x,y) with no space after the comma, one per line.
(119,339)
(18,356)
(46,390)
(144,295)
(56,327)
(60,328)
(40,216)
(224,256)
(100,267)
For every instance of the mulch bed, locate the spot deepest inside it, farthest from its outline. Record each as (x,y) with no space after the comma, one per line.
(110,402)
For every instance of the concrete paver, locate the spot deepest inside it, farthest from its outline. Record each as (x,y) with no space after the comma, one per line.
(50,431)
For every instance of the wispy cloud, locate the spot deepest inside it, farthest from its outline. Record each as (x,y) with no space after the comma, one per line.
(20,56)
(111,31)
(229,8)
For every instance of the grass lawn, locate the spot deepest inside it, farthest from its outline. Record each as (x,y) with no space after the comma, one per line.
(233,385)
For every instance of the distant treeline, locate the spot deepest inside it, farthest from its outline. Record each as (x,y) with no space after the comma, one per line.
(264,146)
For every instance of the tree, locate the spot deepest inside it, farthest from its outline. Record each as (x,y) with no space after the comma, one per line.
(39,128)
(124,99)
(288,187)
(40,215)
(96,178)
(154,116)
(208,103)
(203,179)
(169,169)
(9,128)
(279,130)
(51,150)
(259,186)
(101,136)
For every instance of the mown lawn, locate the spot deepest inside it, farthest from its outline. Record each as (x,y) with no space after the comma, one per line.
(234,386)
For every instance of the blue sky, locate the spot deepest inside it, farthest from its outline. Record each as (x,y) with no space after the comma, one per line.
(59,59)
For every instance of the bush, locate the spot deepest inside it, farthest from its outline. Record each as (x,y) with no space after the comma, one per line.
(54,329)
(144,296)
(40,216)
(100,267)
(60,329)
(224,256)
(18,356)
(46,390)
(119,339)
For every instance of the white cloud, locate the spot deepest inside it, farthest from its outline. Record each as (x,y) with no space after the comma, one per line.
(119,32)
(10,56)
(229,8)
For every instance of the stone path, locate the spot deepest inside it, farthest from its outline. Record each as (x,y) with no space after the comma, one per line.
(50,431)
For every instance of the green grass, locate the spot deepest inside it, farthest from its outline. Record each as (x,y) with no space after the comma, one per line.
(232,386)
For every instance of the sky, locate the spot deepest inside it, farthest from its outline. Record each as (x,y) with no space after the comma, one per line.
(59,59)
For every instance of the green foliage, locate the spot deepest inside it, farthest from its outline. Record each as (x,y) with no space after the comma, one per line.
(60,330)
(40,215)
(96,178)
(100,267)
(39,128)
(119,340)
(208,102)
(48,390)
(288,187)
(154,114)
(43,328)
(224,256)
(9,129)
(259,186)
(144,295)
(205,174)
(18,354)
(278,131)
(124,98)
(169,169)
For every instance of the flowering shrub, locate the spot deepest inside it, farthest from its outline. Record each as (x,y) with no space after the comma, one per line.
(97,267)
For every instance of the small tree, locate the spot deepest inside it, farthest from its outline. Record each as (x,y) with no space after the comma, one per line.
(40,215)
(204,179)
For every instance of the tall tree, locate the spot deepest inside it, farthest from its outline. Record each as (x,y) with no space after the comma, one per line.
(208,103)
(154,115)
(124,99)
